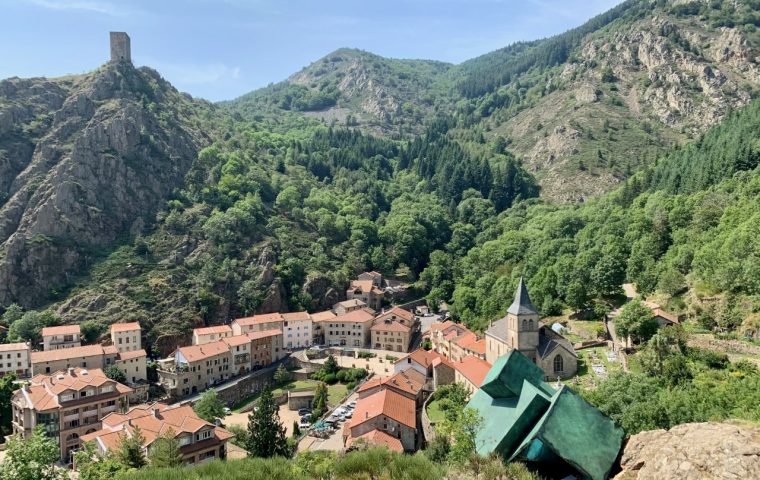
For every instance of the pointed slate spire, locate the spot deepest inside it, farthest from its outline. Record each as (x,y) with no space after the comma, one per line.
(522,304)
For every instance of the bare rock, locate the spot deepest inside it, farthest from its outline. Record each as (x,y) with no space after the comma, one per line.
(693,451)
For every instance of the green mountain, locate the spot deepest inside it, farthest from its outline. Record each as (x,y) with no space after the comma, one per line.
(583,110)
(123,199)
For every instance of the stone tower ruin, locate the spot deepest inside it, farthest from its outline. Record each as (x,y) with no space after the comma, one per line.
(120,47)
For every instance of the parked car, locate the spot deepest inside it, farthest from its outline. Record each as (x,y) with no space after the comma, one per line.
(303,425)
(303,411)
(227,410)
(352,404)
(348,414)
(306,418)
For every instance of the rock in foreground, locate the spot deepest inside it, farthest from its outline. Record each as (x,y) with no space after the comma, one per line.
(693,451)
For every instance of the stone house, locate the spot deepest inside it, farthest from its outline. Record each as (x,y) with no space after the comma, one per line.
(14,358)
(126,337)
(65,336)
(257,323)
(409,383)
(350,329)
(318,319)
(240,350)
(388,334)
(266,347)
(199,440)
(211,334)
(456,341)
(296,330)
(388,412)
(194,368)
(367,292)
(470,372)
(69,403)
(346,306)
(520,330)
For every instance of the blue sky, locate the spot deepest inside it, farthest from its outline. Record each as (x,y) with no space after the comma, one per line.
(220,49)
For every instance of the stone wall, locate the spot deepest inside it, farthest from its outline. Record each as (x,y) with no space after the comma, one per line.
(120,47)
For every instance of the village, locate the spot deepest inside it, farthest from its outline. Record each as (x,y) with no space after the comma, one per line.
(389,361)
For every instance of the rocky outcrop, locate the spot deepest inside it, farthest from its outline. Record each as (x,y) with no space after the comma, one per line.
(693,451)
(114,147)
(323,296)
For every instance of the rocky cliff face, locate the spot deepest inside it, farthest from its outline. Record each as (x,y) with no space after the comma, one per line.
(693,451)
(86,161)
(630,91)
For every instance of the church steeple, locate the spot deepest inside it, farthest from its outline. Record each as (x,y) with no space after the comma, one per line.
(522,304)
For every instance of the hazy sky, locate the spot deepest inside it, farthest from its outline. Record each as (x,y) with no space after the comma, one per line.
(220,49)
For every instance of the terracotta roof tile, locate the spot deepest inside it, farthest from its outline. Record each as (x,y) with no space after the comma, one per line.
(386,402)
(125,327)
(195,353)
(296,316)
(153,420)
(236,340)
(10,347)
(380,438)
(473,369)
(256,319)
(62,330)
(67,353)
(322,316)
(361,315)
(399,312)
(132,354)
(216,329)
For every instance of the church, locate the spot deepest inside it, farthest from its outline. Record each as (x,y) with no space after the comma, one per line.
(520,330)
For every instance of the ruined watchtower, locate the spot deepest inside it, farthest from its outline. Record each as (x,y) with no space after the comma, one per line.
(120,48)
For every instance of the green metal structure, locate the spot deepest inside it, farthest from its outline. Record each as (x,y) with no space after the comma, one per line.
(527,419)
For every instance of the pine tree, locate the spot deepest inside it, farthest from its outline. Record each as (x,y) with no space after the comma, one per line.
(319,405)
(165,450)
(267,434)
(131,449)
(209,407)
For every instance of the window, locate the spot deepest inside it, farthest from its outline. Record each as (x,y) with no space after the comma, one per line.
(525,324)
(203,435)
(530,324)
(559,363)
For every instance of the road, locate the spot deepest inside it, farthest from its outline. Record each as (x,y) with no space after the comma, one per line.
(232,382)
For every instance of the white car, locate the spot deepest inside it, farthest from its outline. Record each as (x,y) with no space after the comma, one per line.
(304,425)
(352,404)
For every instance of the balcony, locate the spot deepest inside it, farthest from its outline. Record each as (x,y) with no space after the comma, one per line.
(72,417)
(89,413)
(110,409)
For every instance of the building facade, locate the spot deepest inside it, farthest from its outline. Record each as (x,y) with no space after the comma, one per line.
(199,440)
(69,403)
(296,330)
(65,336)
(387,412)
(15,358)
(351,329)
(126,337)
(520,330)
(211,334)
(257,323)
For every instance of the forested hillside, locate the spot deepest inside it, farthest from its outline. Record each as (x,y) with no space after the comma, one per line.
(122,199)
(583,110)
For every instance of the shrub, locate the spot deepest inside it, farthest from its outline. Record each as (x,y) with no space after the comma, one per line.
(342,376)
(330,379)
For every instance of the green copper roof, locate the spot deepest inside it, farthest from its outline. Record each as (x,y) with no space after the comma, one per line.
(524,417)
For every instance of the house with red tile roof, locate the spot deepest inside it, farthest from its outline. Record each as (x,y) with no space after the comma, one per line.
(64,336)
(126,336)
(317,321)
(296,330)
(199,440)
(69,403)
(471,371)
(350,329)
(264,321)
(368,289)
(194,368)
(388,412)
(15,358)
(211,334)
(409,383)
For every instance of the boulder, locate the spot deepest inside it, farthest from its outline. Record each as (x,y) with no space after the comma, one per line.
(693,451)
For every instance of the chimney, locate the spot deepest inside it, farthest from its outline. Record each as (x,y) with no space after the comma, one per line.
(27,388)
(71,371)
(156,413)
